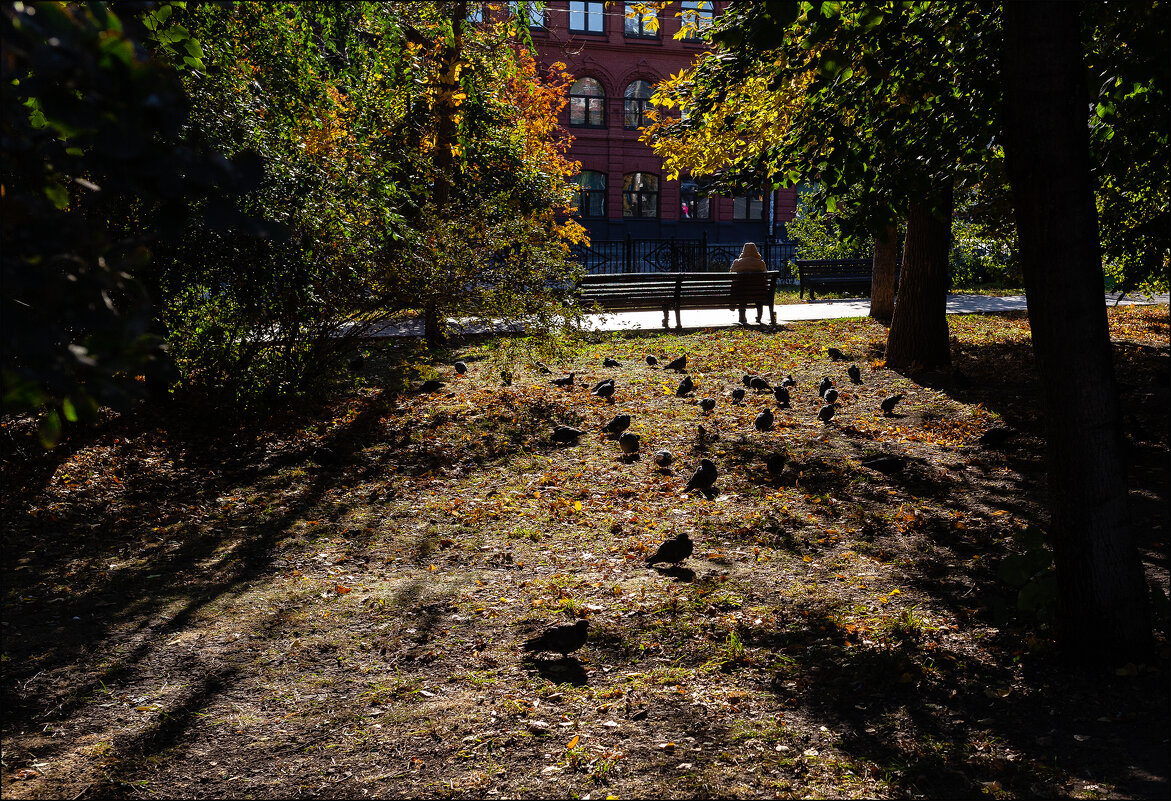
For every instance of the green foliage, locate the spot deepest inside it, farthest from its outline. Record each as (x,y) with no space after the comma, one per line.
(1033,574)
(983,246)
(819,236)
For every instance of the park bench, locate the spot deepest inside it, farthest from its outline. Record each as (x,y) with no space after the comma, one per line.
(833,275)
(678,291)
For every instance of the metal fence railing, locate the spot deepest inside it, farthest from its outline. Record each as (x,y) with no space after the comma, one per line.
(680,255)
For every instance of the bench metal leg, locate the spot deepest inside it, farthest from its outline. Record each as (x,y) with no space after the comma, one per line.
(667,318)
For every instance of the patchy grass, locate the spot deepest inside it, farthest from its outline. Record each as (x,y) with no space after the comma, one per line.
(334,605)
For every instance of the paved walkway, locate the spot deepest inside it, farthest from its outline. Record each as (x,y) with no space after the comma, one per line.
(787,313)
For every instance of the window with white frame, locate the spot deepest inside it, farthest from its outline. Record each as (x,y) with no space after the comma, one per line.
(640,194)
(587,17)
(587,104)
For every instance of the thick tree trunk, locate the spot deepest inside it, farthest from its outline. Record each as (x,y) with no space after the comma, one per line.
(918,336)
(882,278)
(1102,606)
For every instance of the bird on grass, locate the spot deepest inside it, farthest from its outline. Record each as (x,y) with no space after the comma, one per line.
(602,383)
(566,435)
(543,368)
(707,404)
(782,396)
(738,394)
(746,380)
(567,381)
(888,404)
(460,367)
(826,414)
(629,443)
(685,386)
(620,423)
(561,639)
(836,354)
(764,420)
(606,391)
(506,378)
(854,373)
(703,436)
(760,384)
(995,437)
(885,463)
(775,462)
(704,476)
(823,386)
(831,395)
(788,382)
(664,458)
(432,385)
(651,360)
(610,362)
(678,365)
(673,551)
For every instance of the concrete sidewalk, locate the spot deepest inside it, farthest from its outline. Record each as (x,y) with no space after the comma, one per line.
(721,318)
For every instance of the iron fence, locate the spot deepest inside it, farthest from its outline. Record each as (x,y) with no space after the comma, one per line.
(680,255)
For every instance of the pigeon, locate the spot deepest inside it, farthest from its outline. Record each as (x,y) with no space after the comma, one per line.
(854,373)
(826,414)
(738,394)
(823,386)
(775,462)
(566,434)
(831,395)
(561,639)
(995,437)
(747,379)
(432,385)
(685,386)
(663,458)
(673,551)
(357,364)
(704,476)
(788,382)
(605,390)
(460,367)
(707,404)
(782,396)
(888,405)
(764,421)
(620,423)
(885,463)
(651,360)
(702,435)
(543,368)
(760,384)
(678,365)
(629,443)
(610,362)
(506,378)
(567,381)
(601,384)
(836,354)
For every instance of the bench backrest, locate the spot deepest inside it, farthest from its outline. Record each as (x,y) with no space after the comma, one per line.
(833,267)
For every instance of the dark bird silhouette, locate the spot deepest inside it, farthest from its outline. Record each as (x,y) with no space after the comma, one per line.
(567,381)
(432,385)
(788,382)
(601,384)
(854,373)
(704,476)
(747,379)
(782,396)
(629,443)
(685,386)
(831,395)
(566,435)
(738,394)
(823,386)
(506,378)
(702,435)
(885,463)
(995,437)
(826,414)
(561,639)
(760,384)
(836,354)
(888,404)
(357,364)
(673,551)
(707,404)
(651,360)
(764,420)
(460,367)
(543,368)
(664,458)
(678,365)
(775,462)
(605,390)
(620,423)
(610,362)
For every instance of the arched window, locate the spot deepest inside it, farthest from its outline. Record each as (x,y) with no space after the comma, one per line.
(694,201)
(640,194)
(590,198)
(638,100)
(587,104)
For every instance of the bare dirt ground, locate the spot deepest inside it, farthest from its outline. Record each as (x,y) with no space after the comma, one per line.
(333,604)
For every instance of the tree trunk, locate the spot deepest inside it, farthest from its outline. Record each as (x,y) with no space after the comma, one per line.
(1102,600)
(918,336)
(882,278)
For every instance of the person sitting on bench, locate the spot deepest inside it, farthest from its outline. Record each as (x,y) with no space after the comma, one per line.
(748,263)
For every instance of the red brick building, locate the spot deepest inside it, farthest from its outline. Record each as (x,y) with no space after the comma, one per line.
(617,59)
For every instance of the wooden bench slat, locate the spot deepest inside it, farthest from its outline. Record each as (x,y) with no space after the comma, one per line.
(666,291)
